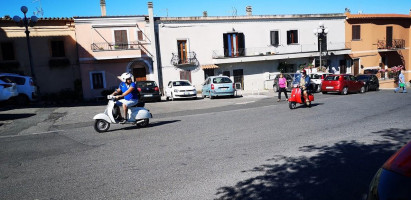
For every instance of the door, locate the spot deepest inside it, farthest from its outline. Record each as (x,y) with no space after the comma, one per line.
(239,77)
(343,67)
(389,37)
(120,37)
(139,74)
(182,51)
(356,67)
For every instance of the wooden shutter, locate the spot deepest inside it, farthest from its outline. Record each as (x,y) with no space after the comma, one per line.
(274,38)
(120,37)
(140,35)
(356,32)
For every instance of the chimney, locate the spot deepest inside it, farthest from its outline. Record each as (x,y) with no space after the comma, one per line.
(410,12)
(248,9)
(205,14)
(103,7)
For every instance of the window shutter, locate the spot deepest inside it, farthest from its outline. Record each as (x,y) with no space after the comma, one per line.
(140,35)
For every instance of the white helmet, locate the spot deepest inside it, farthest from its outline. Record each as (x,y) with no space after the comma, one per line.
(126,76)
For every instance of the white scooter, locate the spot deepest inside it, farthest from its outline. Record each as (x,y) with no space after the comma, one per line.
(137,115)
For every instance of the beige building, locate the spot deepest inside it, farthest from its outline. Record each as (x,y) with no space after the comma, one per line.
(379,41)
(54,52)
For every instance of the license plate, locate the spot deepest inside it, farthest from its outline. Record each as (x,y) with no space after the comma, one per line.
(186,93)
(223,88)
(148,95)
(329,87)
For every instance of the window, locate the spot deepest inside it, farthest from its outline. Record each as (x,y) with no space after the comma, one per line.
(57,49)
(221,80)
(182,51)
(274,38)
(292,37)
(120,39)
(356,32)
(97,80)
(234,45)
(185,75)
(140,35)
(7,51)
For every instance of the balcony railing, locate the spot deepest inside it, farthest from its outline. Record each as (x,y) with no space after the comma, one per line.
(109,46)
(190,60)
(281,49)
(394,44)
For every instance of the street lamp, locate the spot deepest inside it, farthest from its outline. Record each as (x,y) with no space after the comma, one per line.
(27,22)
(320,32)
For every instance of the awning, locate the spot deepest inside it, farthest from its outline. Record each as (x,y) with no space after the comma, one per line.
(209,66)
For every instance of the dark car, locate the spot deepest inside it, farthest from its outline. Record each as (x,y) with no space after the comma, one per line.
(370,80)
(342,83)
(393,179)
(289,77)
(148,90)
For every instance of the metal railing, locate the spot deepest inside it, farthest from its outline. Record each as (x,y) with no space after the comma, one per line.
(191,59)
(112,46)
(394,44)
(281,49)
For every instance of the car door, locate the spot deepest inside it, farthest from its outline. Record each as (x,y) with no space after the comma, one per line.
(205,87)
(355,84)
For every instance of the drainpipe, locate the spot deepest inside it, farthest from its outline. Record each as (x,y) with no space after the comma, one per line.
(153,40)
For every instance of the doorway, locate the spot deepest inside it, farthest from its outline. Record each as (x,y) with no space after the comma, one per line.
(239,77)
(139,74)
(389,37)
(356,66)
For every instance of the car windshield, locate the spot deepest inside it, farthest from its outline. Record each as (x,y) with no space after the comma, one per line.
(332,78)
(148,84)
(363,78)
(5,79)
(181,83)
(221,80)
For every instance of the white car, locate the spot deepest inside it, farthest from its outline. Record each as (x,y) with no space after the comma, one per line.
(8,90)
(27,91)
(180,89)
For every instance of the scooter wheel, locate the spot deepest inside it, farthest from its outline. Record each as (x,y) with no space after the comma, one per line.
(101,125)
(309,105)
(144,123)
(292,105)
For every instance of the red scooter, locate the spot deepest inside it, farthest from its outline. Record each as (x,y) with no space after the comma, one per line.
(298,97)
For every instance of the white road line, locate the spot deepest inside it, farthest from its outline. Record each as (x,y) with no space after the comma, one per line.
(246,102)
(12,136)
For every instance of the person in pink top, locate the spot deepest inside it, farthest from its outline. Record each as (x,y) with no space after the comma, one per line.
(282,87)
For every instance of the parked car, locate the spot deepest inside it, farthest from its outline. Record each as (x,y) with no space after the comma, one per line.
(342,83)
(370,80)
(215,86)
(180,89)
(148,90)
(8,90)
(393,179)
(290,79)
(25,86)
(317,79)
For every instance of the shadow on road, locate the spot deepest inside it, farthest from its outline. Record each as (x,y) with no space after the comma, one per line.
(152,124)
(341,171)
(15,116)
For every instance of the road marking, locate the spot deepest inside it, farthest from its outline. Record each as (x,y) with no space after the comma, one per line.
(12,136)
(246,102)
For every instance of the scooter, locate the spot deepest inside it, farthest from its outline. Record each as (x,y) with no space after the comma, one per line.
(137,115)
(298,97)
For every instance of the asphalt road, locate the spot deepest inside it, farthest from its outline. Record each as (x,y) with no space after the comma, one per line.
(242,148)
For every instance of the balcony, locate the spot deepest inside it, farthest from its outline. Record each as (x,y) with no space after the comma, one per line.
(393,44)
(191,60)
(111,46)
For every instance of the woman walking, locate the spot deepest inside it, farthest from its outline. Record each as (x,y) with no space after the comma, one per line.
(282,87)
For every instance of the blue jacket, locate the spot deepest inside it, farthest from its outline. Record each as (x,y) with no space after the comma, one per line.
(307,81)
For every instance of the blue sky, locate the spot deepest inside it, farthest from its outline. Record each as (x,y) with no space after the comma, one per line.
(174,8)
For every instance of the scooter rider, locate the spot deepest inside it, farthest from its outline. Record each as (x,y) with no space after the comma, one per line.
(129,92)
(305,85)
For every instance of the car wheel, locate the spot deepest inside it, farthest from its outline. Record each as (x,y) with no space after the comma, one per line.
(167,98)
(367,88)
(362,90)
(318,88)
(202,95)
(292,105)
(344,91)
(143,124)
(101,125)
(211,96)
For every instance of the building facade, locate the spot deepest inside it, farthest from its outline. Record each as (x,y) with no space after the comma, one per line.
(247,48)
(379,42)
(54,52)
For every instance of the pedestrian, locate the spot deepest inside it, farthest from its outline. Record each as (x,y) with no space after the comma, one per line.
(282,87)
(401,83)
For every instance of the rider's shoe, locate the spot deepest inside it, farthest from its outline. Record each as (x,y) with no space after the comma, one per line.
(123,121)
